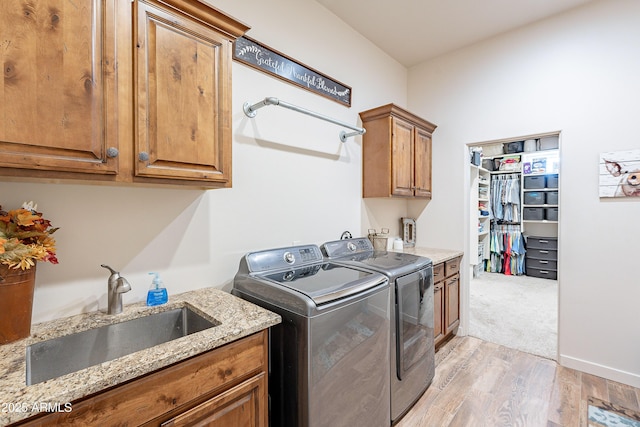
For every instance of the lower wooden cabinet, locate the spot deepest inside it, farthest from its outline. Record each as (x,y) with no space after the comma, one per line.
(446,279)
(224,387)
(239,406)
(452,303)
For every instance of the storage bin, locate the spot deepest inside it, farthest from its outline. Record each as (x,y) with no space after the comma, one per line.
(548,254)
(475,157)
(552,181)
(514,147)
(542,273)
(551,198)
(493,149)
(487,164)
(533,214)
(542,242)
(551,214)
(534,182)
(508,164)
(534,198)
(530,145)
(541,264)
(548,142)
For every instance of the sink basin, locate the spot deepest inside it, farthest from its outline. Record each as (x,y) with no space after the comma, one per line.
(71,353)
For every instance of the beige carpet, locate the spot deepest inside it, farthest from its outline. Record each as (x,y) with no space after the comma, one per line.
(519,312)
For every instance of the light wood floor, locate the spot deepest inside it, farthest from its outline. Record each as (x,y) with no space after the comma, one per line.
(484,384)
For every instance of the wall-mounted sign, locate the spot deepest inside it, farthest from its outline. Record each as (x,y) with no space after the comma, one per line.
(267,60)
(620,174)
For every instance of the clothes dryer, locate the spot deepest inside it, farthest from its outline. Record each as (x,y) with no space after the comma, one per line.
(412,353)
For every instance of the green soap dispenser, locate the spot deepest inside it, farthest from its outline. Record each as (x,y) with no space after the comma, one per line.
(157,294)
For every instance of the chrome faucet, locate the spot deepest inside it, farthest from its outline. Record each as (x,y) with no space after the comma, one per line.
(118,285)
(346,235)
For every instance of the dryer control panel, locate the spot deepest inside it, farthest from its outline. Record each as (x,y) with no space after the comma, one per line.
(346,247)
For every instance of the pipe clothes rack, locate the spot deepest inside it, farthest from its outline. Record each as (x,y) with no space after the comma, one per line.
(250,111)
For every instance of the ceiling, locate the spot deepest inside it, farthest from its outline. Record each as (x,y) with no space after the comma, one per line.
(413,31)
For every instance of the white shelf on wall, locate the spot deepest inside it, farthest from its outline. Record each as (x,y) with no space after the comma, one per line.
(479,193)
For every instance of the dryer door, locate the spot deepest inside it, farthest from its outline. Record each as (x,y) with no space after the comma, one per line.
(414,319)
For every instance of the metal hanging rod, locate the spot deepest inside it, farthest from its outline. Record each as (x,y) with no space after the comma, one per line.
(250,111)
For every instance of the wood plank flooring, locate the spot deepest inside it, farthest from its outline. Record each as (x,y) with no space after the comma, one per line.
(478,383)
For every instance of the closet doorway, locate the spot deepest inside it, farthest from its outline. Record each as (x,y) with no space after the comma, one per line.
(513,221)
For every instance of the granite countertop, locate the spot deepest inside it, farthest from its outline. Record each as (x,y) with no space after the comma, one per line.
(237,318)
(437,255)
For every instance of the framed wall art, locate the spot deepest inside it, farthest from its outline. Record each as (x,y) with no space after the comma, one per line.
(620,174)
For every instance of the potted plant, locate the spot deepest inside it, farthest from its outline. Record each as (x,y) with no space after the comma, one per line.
(25,238)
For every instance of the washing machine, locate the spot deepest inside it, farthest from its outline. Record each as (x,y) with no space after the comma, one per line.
(329,358)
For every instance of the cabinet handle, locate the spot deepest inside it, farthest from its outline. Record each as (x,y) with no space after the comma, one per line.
(543,241)
(143,156)
(543,262)
(543,252)
(112,152)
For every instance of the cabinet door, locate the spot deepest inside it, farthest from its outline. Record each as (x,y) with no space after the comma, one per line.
(422,168)
(438,305)
(57,95)
(402,158)
(242,405)
(452,303)
(182,97)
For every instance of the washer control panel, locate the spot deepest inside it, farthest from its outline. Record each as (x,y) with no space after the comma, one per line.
(274,259)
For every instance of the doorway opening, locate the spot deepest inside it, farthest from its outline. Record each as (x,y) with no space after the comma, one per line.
(514,206)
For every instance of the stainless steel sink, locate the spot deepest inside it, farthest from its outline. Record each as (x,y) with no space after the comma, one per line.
(71,353)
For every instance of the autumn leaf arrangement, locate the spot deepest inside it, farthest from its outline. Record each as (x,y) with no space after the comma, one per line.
(25,237)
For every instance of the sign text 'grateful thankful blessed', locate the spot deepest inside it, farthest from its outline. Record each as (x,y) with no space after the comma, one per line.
(267,60)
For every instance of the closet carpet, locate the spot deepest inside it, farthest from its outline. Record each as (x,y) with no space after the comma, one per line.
(518,312)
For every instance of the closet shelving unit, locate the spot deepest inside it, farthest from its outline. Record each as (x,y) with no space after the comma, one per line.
(549,195)
(540,227)
(545,205)
(542,241)
(480,223)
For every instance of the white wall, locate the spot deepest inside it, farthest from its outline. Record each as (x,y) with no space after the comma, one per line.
(293,180)
(577,73)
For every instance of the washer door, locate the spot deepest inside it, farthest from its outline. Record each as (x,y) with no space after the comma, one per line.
(414,319)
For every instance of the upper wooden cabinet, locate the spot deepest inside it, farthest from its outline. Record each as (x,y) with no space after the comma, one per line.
(117,90)
(57,95)
(183,92)
(396,153)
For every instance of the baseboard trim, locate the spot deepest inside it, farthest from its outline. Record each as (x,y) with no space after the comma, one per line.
(607,372)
